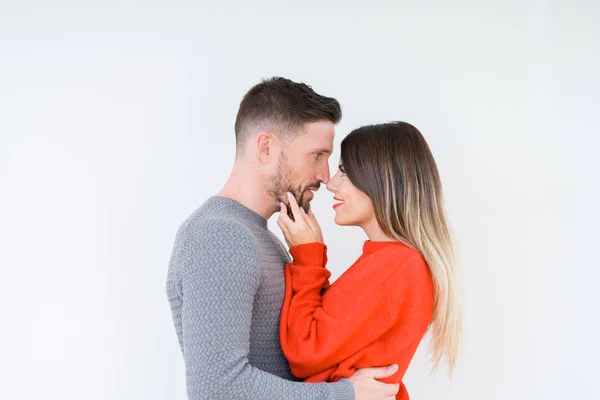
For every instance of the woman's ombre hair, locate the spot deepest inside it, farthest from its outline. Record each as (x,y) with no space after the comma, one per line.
(393,165)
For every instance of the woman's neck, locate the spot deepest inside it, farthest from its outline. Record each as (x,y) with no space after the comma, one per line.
(375,233)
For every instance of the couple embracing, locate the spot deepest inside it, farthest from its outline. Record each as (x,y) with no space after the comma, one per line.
(255,321)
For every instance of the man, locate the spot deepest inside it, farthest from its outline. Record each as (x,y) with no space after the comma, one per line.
(226,282)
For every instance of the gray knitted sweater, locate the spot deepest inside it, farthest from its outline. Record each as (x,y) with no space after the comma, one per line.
(226,286)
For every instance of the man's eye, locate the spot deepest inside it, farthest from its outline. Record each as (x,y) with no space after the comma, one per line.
(317,155)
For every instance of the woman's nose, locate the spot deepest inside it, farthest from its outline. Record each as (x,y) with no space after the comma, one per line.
(331,184)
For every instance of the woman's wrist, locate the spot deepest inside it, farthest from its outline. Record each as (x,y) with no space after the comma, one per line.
(309,253)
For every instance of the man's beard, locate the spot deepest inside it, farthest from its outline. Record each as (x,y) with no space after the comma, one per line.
(281,184)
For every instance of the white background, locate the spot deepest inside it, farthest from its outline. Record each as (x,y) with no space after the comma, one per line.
(116,122)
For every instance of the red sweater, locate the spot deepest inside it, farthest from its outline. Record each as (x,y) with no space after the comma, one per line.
(374,315)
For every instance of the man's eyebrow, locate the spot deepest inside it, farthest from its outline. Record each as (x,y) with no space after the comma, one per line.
(322,151)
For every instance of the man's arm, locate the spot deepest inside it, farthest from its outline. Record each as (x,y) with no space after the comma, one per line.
(218,268)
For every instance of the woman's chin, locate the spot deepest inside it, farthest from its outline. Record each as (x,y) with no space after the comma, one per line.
(340,221)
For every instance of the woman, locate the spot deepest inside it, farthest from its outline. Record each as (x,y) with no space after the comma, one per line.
(403,284)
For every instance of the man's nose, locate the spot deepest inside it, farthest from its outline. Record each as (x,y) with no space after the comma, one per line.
(323,175)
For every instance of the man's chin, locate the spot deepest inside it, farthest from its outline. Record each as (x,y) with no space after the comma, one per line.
(304,202)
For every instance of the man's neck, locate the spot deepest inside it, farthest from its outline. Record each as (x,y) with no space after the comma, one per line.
(247,188)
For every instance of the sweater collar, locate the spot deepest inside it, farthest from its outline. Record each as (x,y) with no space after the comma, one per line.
(244,212)
(370,246)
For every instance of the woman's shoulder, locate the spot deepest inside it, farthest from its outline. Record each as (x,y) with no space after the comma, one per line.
(398,253)
(408,270)
(401,259)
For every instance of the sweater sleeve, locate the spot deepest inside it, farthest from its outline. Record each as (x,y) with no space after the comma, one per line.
(318,332)
(219,270)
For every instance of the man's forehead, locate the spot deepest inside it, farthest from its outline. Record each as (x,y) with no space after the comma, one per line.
(321,141)
(306,146)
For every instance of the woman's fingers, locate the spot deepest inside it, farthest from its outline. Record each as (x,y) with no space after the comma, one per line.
(286,232)
(312,222)
(298,217)
(301,229)
(283,214)
(283,227)
(284,219)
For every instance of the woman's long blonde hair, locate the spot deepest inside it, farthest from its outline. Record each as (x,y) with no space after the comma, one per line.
(393,165)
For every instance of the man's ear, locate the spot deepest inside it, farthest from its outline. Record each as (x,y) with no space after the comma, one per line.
(265,144)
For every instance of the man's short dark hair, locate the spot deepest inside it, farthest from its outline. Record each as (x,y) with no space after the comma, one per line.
(282,107)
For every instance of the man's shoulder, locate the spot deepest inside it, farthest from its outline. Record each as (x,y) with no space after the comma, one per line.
(221,230)
(216,217)
(203,244)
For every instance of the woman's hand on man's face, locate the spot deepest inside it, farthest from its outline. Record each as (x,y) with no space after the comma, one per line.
(303,229)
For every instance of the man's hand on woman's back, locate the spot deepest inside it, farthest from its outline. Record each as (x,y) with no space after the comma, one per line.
(367,387)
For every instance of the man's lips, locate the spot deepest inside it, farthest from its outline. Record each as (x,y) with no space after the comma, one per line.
(312,191)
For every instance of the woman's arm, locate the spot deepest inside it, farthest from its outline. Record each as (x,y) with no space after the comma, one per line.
(319,332)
